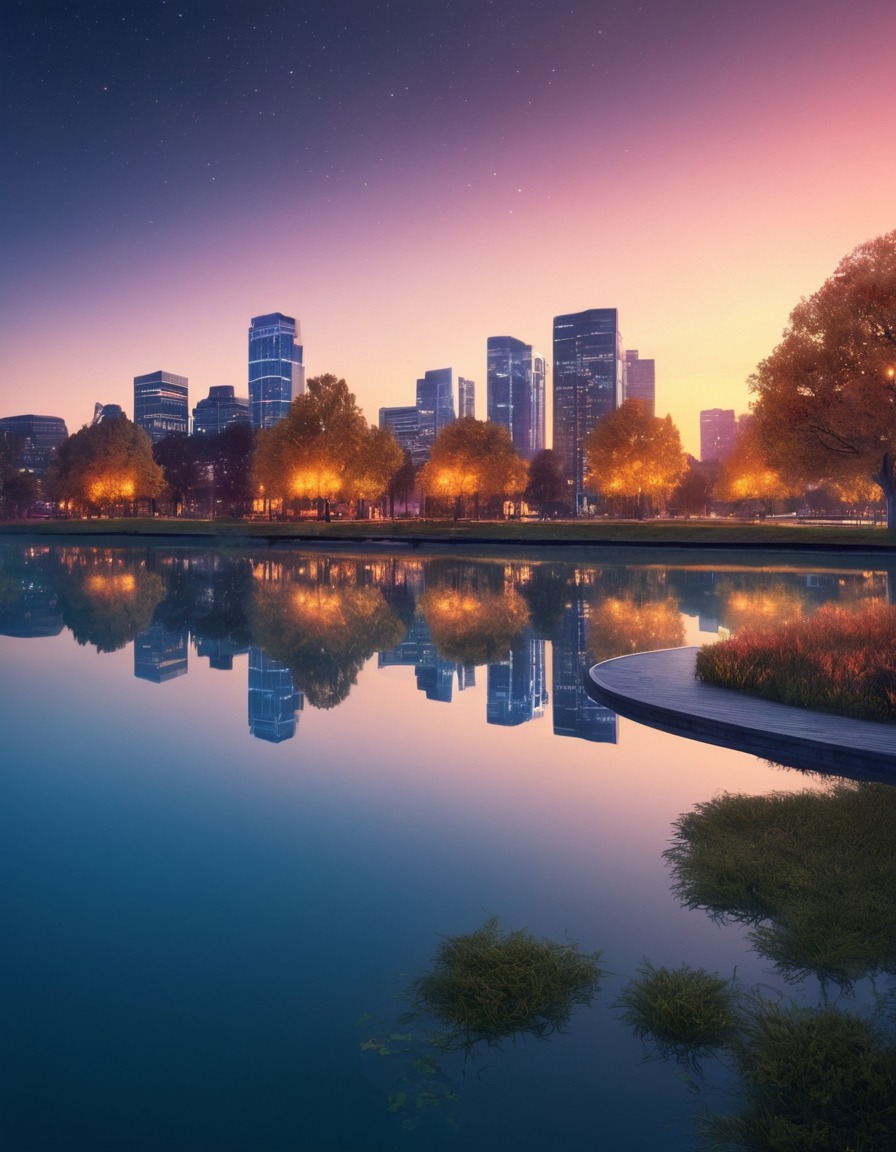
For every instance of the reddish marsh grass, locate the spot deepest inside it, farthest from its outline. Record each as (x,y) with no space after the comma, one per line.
(838,660)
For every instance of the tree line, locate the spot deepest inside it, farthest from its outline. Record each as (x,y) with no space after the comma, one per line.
(822,431)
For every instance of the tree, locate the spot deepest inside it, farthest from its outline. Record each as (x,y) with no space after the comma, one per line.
(826,396)
(105,465)
(402,483)
(746,474)
(178,458)
(547,488)
(473,459)
(631,454)
(324,449)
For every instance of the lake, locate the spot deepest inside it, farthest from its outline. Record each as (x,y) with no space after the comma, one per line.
(246,794)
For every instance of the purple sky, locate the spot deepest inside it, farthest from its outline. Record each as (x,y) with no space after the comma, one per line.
(408,179)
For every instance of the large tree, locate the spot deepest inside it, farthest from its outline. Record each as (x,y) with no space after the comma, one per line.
(473,459)
(634,455)
(746,474)
(826,396)
(104,466)
(324,449)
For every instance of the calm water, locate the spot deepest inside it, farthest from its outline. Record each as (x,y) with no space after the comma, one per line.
(243,796)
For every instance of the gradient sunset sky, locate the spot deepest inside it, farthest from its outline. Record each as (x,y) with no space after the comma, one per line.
(408,178)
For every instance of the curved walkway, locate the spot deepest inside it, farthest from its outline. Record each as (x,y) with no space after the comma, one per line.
(660,689)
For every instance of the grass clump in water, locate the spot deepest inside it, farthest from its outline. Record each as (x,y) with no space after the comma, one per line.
(488,986)
(816,1080)
(684,1013)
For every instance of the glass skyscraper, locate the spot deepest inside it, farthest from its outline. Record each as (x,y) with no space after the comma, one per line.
(435,404)
(220,408)
(160,404)
(640,380)
(276,375)
(515,392)
(588,375)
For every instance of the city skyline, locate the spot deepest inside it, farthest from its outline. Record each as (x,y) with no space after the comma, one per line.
(369,169)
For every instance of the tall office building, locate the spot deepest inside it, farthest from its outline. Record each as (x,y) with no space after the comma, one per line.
(718,431)
(276,374)
(466,398)
(404,424)
(640,380)
(515,392)
(435,404)
(588,376)
(160,404)
(38,436)
(220,408)
(274,700)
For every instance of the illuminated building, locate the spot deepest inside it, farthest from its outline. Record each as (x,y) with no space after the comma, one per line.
(515,392)
(718,431)
(160,404)
(640,380)
(435,404)
(404,424)
(39,437)
(466,397)
(276,375)
(588,375)
(220,408)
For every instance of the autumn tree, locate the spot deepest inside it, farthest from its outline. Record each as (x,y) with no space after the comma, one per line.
(634,455)
(747,475)
(473,460)
(178,457)
(324,449)
(105,465)
(826,396)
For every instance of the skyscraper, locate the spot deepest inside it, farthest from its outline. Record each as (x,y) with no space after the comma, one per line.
(515,392)
(404,424)
(718,430)
(38,436)
(466,397)
(587,385)
(276,374)
(160,404)
(640,380)
(220,408)
(435,404)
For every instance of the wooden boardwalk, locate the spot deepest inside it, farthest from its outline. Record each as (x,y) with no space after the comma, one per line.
(659,689)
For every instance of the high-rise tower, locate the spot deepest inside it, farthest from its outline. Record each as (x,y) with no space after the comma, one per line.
(718,431)
(435,404)
(587,385)
(640,380)
(276,374)
(516,379)
(160,404)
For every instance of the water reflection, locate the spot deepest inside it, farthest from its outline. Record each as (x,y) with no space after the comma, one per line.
(308,623)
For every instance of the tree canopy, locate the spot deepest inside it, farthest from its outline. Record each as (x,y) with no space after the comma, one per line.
(746,473)
(826,396)
(473,459)
(105,464)
(324,449)
(632,454)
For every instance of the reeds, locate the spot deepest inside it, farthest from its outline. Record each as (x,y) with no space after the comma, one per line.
(838,660)
(488,986)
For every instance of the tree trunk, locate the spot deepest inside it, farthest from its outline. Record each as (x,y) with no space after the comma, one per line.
(886,479)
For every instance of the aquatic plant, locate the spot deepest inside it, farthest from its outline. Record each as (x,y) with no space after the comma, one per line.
(813,873)
(838,660)
(684,1013)
(815,1080)
(488,986)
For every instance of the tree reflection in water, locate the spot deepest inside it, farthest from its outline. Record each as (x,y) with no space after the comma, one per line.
(107,597)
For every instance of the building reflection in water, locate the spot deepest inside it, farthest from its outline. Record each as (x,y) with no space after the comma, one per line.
(310,623)
(274,701)
(160,654)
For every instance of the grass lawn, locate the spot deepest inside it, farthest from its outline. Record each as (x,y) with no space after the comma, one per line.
(838,660)
(680,533)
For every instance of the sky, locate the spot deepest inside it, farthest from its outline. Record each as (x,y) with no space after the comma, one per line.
(408,178)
